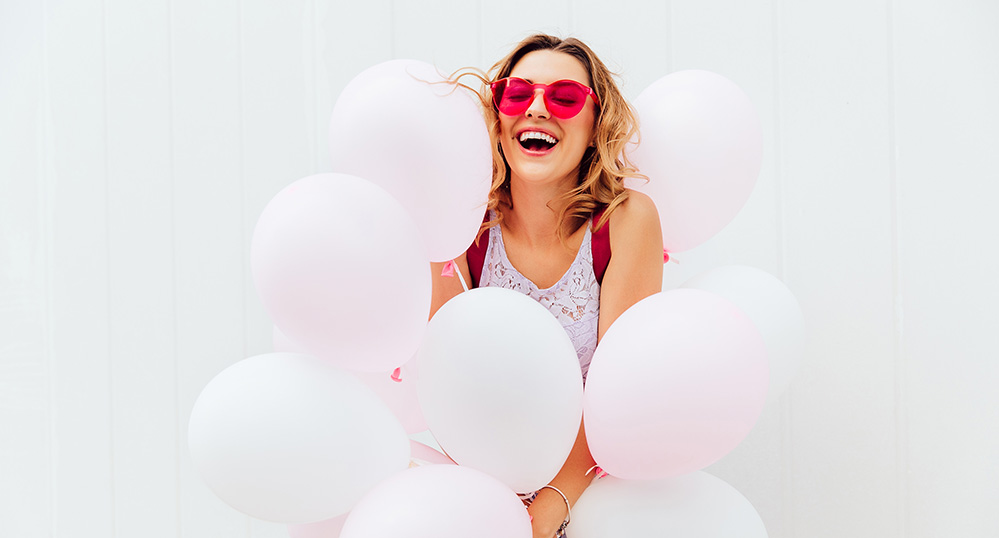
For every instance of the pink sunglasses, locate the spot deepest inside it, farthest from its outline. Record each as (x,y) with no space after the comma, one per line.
(563,98)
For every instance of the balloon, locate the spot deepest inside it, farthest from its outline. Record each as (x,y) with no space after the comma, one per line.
(774,311)
(399,392)
(341,270)
(292,439)
(702,149)
(696,504)
(425,455)
(676,383)
(500,386)
(329,528)
(422,139)
(439,501)
(396,389)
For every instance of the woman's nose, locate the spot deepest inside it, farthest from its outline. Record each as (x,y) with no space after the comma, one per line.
(537,108)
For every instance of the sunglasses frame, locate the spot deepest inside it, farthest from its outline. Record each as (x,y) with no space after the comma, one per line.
(555,109)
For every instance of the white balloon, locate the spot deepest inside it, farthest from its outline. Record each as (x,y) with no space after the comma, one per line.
(772,308)
(692,505)
(342,271)
(292,439)
(401,125)
(501,387)
(439,501)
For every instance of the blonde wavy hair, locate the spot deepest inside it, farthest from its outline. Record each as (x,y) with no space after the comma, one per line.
(604,165)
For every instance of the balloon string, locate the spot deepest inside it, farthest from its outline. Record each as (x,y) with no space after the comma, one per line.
(451,269)
(600,473)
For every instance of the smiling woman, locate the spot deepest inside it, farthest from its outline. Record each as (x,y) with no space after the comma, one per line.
(561,227)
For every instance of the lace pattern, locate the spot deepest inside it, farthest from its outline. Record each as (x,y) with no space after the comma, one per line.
(574,300)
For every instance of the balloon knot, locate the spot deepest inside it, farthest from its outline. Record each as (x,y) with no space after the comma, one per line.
(665,256)
(397,375)
(448,269)
(598,472)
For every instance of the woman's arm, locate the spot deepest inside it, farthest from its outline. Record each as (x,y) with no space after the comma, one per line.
(634,272)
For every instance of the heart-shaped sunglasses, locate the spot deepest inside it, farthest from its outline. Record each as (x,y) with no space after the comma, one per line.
(563,98)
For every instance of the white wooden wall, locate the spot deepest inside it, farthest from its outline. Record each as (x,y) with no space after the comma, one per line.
(139,140)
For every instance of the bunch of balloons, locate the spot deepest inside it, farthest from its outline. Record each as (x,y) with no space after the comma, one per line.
(315,434)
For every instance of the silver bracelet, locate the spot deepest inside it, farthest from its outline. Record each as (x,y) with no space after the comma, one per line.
(568,509)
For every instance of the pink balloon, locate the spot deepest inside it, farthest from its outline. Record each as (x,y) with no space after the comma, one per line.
(422,139)
(675,384)
(396,389)
(329,528)
(702,149)
(439,501)
(342,272)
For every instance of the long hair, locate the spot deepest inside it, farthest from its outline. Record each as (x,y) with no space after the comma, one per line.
(604,165)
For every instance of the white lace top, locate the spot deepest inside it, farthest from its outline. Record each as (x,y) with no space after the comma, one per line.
(574,300)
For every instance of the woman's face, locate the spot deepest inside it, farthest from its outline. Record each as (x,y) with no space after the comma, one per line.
(526,139)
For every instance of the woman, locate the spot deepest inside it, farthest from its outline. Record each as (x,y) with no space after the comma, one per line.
(559,124)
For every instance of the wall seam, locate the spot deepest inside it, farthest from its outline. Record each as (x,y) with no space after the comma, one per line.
(172,153)
(107,234)
(669,36)
(901,418)
(786,414)
(241,175)
(47,196)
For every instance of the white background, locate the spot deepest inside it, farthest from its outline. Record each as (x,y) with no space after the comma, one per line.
(139,141)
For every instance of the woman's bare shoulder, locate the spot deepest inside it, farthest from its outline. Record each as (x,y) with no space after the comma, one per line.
(637,216)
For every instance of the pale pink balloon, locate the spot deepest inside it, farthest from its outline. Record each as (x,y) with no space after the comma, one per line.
(702,149)
(342,271)
(398,389)
(439,501)
(425,455)
(676,383)
(329,528)
(402,126)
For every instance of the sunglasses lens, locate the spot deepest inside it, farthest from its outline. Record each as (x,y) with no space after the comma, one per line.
(513,96)
(565,99)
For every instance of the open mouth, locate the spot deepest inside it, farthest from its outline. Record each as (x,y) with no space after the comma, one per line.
(537,141)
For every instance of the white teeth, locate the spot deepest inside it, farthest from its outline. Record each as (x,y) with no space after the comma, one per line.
(527,135)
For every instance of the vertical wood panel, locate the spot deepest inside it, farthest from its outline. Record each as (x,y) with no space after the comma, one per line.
(76,125)
(350,38)
(276,117)
(208,225)
(444,33)
(632,39)
(141,267)
(947,123)
(25,472)
(834,134)
(505,23)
